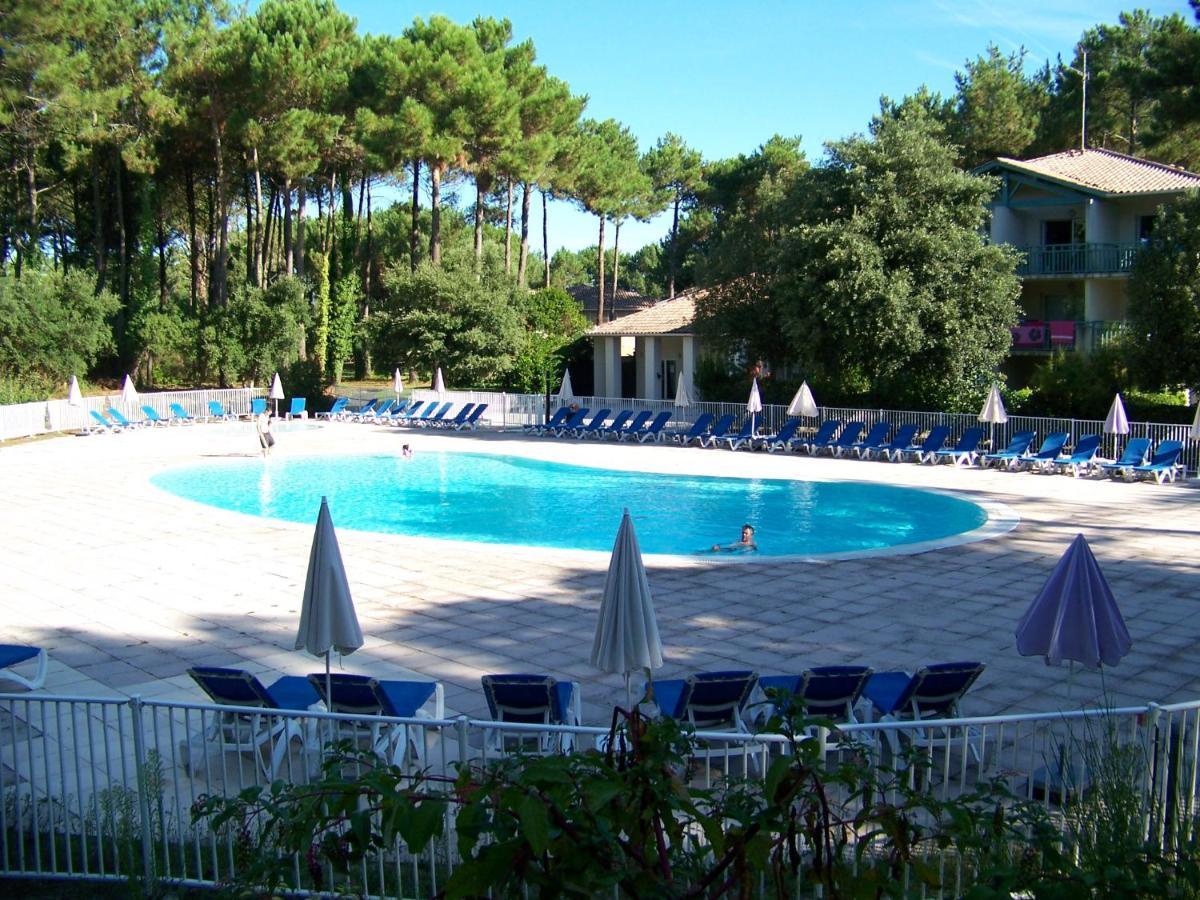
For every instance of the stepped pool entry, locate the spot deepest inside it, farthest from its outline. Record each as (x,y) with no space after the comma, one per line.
(501,499)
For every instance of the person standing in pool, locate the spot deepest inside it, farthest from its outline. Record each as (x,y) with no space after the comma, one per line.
(745,544)
(262,425)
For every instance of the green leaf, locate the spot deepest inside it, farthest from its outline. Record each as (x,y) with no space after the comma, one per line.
(535,824)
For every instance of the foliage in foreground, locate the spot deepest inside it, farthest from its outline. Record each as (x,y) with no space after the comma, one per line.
(634,821)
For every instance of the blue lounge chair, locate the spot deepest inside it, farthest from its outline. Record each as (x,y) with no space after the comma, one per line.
(591,427)
(1082,458)
(181,415)
(847,439)
(615,425)
(415,412)
(699,428)
(823,437)
(153,417)
(335,411)
(575,420)
(710,701)
(217,411)
(396,413)
(928,448)
(102,426)
(719,429)
(1134,454)
(1047,453)
(531,700)
(258,406)
(902,441)
(782,439)
(745,435)
(381,414)
(653,431)
(358,415)
(16,654)
(964,452)
(361,695)
(239,732)
(432,419)
(296,409)
(472,421)
(875,437)
(1164,465)
(1017,447)
(455,421)
(933,692)
(829,692)
(117,416)
(636,424)
(559,417)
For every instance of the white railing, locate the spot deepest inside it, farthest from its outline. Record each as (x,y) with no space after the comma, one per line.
(49,416)
(104,788)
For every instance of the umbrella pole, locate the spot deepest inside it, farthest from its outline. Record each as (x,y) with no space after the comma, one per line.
(328,683)
(628,693)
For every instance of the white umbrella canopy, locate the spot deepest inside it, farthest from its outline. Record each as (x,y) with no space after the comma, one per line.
(397,382)
(74,395)
(566,392)
(1116,422)
(129,393)
(626,629)
(683,392)
(993,408)
(276,393)
(439,384)
(327,617)
(803,404)
(754,402)
(1195,433)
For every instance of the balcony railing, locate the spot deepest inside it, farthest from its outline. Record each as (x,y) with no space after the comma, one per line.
(1078,259)
(1039,337)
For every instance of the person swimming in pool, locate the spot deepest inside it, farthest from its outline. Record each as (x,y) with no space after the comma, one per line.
(743,545)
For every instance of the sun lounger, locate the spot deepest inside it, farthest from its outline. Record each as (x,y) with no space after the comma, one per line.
(591,427)
(435,416)
(653,431)
(823,437)
(361,695)
(1018,446)
(613,427)
(575,420)
(458,419)
(719,429)
(696,431)
(181,415)
(559,417)
(933,692)
(357,415)
(928,448)
(119,419)
(828,692)
(1081,459)
(18,654)
(745,435)
(964,452)
(334,411)
(1134,454)
(709,701)
(472,421)
(1047,453)
(296,408)
(153,417)
(1164,465)
(782,439)
(847,439)
(102,425)
(902,441)
(217,411)
(531,700)
(875,437)
(636,424)
(258,406)
(240,732)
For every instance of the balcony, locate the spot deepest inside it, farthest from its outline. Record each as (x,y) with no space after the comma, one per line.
(1043,337)
(1073,260)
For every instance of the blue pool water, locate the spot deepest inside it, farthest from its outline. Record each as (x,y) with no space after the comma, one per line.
(510,500)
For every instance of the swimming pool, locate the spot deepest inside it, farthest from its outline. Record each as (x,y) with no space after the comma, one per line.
(512,500)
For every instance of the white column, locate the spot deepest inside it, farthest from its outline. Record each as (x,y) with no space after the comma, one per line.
(651,388)
(687,362)
(599,357)
(612,367)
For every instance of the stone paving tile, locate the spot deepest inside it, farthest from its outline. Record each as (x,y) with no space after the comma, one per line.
(128,586)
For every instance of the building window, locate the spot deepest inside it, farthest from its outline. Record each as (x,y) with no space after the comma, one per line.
(1145,227)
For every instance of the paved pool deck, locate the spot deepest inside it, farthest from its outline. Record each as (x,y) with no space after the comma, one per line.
(128,586)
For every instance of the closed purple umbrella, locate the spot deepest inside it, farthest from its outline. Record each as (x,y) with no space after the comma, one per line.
(1075,617)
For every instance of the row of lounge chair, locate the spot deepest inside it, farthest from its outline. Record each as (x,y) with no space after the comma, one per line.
(413,412)
(642,427)
(112,420)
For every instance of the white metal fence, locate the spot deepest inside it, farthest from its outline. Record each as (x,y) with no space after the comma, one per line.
(104,788)
(48,416)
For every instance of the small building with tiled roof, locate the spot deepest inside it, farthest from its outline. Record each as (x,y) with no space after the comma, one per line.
(623,304)
(660,339)
(1080,218)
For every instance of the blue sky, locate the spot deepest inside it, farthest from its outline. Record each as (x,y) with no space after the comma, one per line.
(727,76)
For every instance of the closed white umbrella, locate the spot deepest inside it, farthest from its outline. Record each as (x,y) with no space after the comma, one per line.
(993,411)
(1196,424)
(754,404)
(626,629)
(803,404)
(683,392)
(397,383)
(1116,422)
(74,395)
(439,384)
(566,392)
(129,393)
(327,617)
(276,393)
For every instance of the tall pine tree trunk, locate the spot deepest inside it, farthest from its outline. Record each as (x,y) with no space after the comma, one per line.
(259,243)
(671,258)
(268,235)
(435,214)
(300,230)
(415,233)
(616,263)
(189,185)
(546,239)
(600,276)
(478,224)
(508,230)
(288,258)
(251,228)
(122,244)
(217,285)
(99,248)
(523,255)
(160,234)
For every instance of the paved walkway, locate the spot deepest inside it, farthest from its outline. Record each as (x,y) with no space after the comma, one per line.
(128,586)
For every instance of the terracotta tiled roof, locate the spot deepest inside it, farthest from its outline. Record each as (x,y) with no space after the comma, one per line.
(672,316)
(1107,172)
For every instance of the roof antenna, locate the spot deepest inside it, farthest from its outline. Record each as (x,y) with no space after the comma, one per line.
(1083,77)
